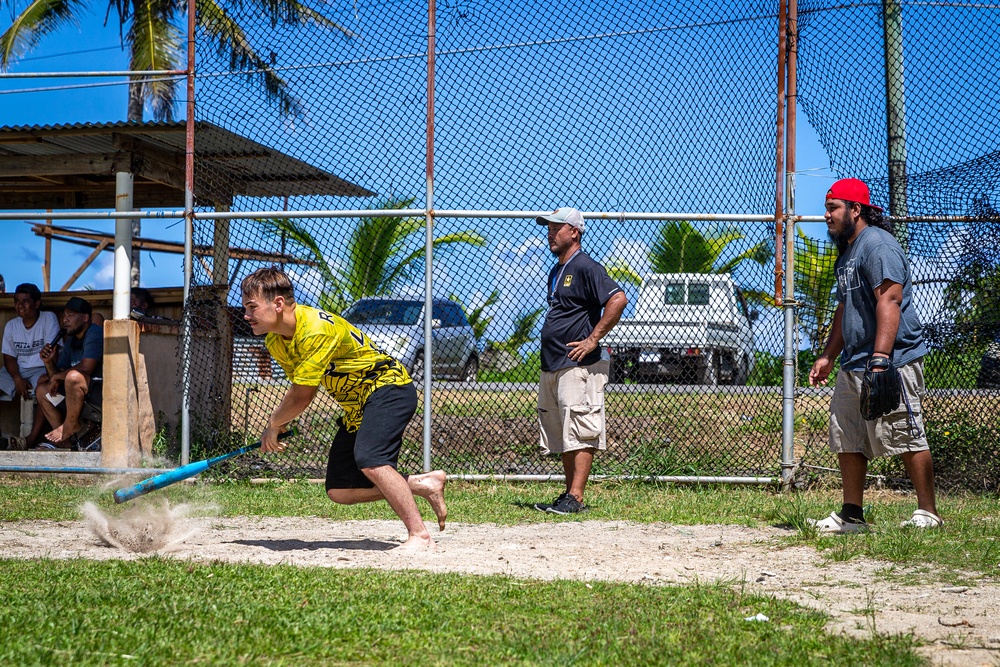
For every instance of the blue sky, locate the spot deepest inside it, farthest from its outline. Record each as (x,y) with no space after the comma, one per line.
(93,47)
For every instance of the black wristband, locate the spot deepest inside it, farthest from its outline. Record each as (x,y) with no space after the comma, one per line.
(878,362)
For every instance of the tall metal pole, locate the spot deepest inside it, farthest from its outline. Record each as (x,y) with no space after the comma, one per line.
(895,114)
(779,162)
(429,236)
(120,300)
(788,368)
(188,240)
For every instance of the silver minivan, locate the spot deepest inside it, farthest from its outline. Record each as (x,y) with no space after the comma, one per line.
(396,325)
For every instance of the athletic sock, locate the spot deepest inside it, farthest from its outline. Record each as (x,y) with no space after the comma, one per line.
(852,513)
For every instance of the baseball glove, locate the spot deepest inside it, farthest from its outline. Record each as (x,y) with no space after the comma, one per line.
(880,389)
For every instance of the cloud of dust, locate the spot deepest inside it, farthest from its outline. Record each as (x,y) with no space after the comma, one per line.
(145,527)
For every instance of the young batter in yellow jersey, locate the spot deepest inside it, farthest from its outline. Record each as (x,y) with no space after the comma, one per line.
(318,348)
(327,349)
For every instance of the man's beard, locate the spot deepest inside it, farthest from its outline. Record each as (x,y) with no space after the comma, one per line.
(841,239)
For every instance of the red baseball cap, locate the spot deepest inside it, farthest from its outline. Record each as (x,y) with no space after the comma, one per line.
(851,189)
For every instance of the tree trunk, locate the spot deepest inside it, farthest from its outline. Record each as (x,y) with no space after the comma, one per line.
(135,89)
(135,114)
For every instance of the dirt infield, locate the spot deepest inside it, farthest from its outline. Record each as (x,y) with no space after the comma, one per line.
(961,626)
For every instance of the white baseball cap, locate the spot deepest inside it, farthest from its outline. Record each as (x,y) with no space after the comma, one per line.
(563,216)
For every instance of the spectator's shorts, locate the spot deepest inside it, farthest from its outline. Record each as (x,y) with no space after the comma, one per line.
(376,442)
(571,408)
(898,432)
(7,382)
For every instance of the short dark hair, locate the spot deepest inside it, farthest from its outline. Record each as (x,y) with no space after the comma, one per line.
(143,295)
(30,289)
(79,305)
(269,282)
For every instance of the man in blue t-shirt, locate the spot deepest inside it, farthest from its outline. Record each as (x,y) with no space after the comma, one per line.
(72,374)
(875,318)
(584,305)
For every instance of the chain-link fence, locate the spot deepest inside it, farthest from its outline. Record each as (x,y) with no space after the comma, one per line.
(658,108)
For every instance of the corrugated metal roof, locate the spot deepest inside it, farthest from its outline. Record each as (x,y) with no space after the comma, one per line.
(74,165)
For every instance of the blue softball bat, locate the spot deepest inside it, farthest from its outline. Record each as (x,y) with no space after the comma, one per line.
(183,472)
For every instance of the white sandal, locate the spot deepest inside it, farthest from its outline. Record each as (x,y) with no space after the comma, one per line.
(834,525)
(923,519)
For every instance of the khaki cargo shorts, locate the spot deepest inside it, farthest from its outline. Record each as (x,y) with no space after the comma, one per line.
(898,432)
(571,408)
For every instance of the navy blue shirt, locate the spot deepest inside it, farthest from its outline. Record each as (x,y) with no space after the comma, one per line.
(872,258)
(91,346)
(577,292)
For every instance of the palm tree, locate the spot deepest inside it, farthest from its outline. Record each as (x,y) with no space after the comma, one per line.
(477,317)
(815,281)
(681,248)
(151,31)
(376,257)
(524,325)
(505,355)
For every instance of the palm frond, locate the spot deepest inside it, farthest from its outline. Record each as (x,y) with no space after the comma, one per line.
(293,231)
(477,318)
(304,15)
(413,258)
(524,325)
(39,18)
(680,248)
(231,42)
(815,282)
(155,43)
(759,254)
(620,271)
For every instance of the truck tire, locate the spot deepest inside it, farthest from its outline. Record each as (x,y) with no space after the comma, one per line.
(742,371)
(710,369)
(617,373)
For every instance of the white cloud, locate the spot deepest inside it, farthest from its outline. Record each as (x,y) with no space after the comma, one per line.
(634,253)
(104,276)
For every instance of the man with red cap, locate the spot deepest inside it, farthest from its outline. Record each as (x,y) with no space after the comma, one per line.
(875,328)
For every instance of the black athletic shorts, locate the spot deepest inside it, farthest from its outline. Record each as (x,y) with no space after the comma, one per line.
(376,442)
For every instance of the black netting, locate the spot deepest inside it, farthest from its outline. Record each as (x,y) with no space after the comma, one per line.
(943,98)
(944,141)
(643,107)
(955,269)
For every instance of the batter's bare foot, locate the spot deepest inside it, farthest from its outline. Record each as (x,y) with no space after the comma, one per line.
(431,486)
(416,543)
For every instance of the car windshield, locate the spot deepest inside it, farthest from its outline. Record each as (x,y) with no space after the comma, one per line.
(384,311)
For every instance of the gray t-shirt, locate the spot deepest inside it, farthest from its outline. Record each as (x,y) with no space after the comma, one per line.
(874,257)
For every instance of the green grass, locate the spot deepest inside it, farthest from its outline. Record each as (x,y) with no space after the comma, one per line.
(161,612)
(158,611)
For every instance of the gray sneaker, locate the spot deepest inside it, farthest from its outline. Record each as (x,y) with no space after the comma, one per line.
(567,504)
(545,507)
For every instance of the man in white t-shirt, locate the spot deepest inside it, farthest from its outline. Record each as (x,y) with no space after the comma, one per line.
(23,338)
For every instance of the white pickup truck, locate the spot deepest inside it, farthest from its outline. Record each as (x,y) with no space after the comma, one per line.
(692,328)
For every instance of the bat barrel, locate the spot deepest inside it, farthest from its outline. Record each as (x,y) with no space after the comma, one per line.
(189,470)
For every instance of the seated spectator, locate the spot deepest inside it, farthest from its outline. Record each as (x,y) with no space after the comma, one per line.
(141,303)
(70,375)
(23,340)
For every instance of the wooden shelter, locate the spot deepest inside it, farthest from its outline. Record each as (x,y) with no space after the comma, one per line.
(74,166)
(80,167)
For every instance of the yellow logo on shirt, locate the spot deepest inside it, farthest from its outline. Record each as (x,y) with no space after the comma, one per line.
(567,281)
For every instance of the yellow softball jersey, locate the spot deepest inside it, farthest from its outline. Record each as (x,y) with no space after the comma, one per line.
(328,350)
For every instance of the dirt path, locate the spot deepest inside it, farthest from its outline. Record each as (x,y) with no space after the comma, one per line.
(961,626)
